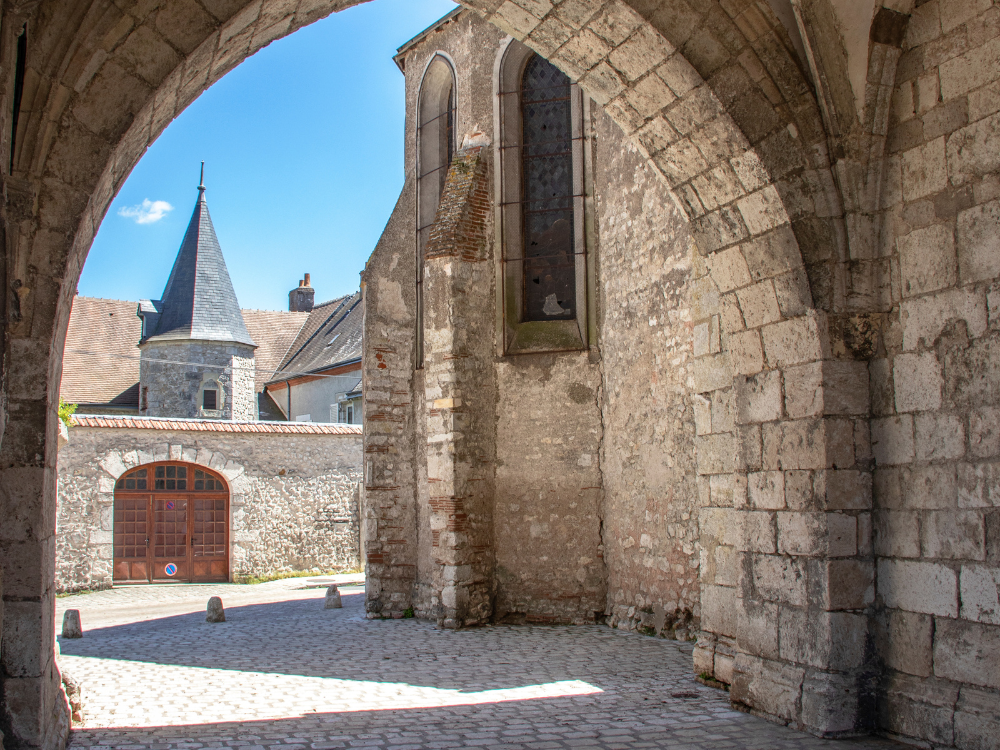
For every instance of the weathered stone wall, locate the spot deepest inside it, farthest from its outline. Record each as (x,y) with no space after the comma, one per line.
(170,385)
(548,540)
(647,454)
(770,130)
(392,446)
(294,502)
(936,384)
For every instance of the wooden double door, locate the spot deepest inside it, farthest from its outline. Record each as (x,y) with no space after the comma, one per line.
(171,523)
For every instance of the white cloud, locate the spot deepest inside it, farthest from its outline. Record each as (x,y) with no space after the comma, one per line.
(148,212)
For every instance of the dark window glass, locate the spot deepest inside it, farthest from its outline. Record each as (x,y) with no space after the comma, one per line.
(19,68)
(182,484)
(171,484)
(130,484)
(199,484)
(140,473)
(171,472)
(210,399)
(182,472)
(160,484)
(547,172)
(450,130)
(159,472)
(199,474)
(140,484)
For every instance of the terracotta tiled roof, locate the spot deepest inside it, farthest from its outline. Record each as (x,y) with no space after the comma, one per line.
(274,333)
(101,361)
(213,425)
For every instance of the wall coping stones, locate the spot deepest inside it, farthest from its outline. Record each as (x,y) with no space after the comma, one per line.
(213,425)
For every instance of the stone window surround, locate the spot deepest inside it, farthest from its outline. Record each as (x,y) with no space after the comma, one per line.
(210,381)
(515,336)
(438,73)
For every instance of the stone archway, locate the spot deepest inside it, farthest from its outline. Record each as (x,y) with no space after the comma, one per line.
(714,98)
(116,469)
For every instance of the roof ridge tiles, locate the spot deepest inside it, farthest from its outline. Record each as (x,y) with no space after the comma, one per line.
(105,299)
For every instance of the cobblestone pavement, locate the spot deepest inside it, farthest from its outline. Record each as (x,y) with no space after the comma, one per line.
(282,672)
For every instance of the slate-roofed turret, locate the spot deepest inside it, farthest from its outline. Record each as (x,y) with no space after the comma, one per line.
(198,302)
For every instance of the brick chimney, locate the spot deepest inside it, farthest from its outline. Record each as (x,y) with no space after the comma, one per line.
(302,297)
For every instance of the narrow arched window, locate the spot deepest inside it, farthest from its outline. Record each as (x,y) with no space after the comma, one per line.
(547,190)
(542,200)
(435,149)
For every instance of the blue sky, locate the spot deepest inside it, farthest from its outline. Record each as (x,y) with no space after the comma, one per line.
(303,151)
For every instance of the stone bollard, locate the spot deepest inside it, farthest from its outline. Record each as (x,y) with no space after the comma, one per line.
(332,598)
(216,613)
(71,624)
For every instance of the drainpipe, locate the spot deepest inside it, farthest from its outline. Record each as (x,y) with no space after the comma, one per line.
(288,386)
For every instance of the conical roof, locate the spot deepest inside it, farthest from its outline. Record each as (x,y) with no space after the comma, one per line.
(199,302)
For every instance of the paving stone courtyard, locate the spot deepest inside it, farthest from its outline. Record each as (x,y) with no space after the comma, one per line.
(282,672)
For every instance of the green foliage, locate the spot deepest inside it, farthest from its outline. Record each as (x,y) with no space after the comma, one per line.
(408,613)
(66,411)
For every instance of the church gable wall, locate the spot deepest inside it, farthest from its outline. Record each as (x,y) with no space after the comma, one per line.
(290,496)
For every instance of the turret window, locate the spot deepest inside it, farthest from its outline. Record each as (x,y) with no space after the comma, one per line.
(211,398)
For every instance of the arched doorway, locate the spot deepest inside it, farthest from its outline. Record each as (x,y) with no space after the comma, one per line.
(171,524)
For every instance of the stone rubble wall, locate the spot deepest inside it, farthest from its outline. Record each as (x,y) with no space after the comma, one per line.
(294,503)
(171,375)
(936,384)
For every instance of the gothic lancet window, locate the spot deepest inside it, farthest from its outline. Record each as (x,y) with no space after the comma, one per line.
(541,191)
(547,190)
(435,149)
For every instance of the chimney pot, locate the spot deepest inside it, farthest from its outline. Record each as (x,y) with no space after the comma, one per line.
(301,299)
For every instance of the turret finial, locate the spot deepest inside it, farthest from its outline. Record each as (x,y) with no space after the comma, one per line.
(201,184)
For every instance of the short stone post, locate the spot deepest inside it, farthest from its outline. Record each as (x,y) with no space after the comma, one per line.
(71,624)
(216,613)
(332,598)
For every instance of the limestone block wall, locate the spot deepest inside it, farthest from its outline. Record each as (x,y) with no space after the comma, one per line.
(172,374)
(549,551)
(936,386)
(294,504)
(650,505)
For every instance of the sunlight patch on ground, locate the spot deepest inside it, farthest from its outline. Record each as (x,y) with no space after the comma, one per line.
(121,693)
